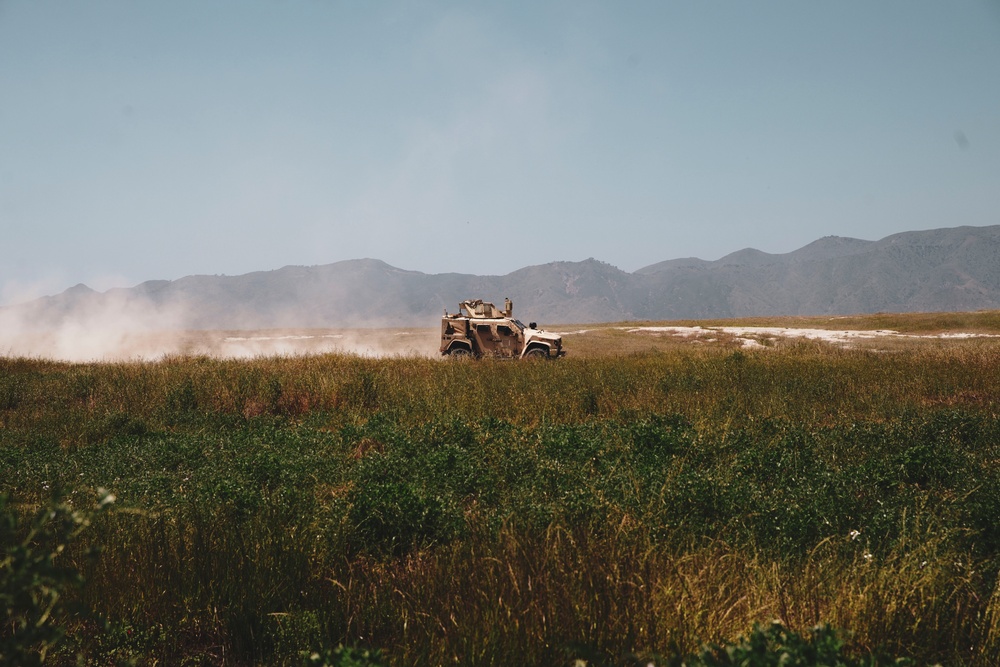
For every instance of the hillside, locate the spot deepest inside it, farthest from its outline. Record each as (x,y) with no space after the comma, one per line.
(955,269)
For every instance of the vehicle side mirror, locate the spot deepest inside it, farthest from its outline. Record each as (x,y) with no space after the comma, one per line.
(533,325)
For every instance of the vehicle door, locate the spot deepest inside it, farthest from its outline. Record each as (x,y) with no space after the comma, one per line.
(486,335)
(509,344)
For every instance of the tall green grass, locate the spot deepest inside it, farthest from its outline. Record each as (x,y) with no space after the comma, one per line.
(507,513)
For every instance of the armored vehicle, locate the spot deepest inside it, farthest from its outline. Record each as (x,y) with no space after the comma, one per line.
(481,329)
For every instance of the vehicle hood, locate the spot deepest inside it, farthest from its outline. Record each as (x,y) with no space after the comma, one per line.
(538,334)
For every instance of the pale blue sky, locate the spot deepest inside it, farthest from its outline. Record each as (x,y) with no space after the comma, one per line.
(151,140)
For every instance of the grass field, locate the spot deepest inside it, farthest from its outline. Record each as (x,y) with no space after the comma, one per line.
(644,496)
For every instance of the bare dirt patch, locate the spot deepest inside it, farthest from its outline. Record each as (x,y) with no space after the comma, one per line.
(759,336)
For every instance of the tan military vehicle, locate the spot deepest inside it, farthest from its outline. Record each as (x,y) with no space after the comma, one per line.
(480,329)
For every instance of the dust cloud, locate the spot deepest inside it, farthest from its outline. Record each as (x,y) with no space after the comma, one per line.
(135,330)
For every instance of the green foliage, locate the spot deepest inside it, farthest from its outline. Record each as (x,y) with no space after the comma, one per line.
(395,516)
(466,513)
(34,578)
(774,645)
(343,656)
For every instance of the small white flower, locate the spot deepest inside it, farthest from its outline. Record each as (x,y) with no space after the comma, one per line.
(854,534)
(107,499)
(867,556)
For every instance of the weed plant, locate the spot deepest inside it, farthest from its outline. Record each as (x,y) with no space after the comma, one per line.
(603,508)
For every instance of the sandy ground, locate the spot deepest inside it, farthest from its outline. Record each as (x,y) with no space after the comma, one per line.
(752,336)
(108,344)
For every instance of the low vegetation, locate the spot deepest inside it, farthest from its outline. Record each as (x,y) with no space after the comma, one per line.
(657,506)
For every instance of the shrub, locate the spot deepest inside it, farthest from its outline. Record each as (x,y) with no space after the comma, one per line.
(774,645)
(343,656)
(33,579)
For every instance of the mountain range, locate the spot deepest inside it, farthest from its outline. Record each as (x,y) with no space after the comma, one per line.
(953,269)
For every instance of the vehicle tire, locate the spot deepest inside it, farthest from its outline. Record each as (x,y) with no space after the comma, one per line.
(537,353)
(460,353)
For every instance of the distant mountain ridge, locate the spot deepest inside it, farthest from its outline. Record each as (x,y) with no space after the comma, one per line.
(952,269)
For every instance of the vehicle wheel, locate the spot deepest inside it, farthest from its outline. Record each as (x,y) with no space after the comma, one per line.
(536,353)
(460,353)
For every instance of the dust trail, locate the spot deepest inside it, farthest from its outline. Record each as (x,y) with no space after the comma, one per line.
(117,329)
(372,342)
(78,344)
(99,329)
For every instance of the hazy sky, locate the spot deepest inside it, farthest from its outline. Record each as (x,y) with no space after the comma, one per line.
(143,140)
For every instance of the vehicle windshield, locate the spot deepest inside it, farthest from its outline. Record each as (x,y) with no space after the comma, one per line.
(520,324)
